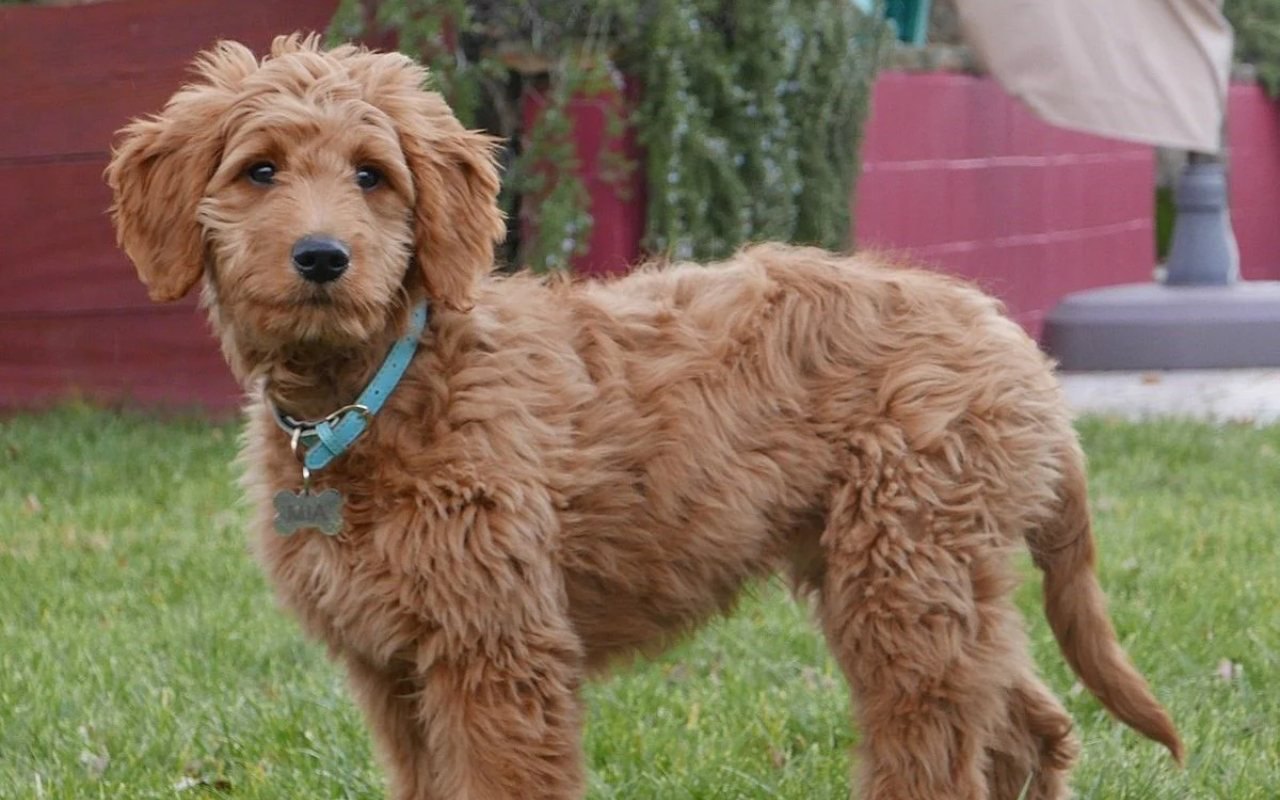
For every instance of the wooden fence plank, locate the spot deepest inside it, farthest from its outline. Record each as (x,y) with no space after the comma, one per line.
(160,357)
(72,75)
(73,318)
(58,245)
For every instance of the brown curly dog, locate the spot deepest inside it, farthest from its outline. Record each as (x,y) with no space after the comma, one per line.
(569,474)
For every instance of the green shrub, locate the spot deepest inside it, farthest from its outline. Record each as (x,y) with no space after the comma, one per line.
(751,114)
(1257,24)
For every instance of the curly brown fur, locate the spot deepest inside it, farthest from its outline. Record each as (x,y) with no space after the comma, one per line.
(571,474)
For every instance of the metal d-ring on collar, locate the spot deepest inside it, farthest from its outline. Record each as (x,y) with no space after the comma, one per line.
(323,440)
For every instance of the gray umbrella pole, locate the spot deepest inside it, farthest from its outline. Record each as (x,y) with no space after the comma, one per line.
(1203,251)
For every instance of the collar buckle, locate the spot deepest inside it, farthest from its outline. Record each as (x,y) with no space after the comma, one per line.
(336,417)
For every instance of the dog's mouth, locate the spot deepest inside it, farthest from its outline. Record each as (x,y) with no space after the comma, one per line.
(331,313)
(339,311)
(335,295)
(318,297)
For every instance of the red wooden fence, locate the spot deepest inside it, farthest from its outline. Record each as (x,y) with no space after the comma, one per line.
(955,172)
(73,318)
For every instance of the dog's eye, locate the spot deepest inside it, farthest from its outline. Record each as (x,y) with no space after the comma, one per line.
(368,177)
(262,173)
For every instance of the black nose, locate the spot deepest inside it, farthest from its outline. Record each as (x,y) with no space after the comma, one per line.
(320,259)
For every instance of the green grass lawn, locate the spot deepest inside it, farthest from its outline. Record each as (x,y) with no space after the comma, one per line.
(141,651)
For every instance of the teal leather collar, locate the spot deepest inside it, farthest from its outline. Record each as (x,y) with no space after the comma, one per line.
(318,442)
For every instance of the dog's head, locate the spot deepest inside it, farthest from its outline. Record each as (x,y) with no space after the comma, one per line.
(305,187)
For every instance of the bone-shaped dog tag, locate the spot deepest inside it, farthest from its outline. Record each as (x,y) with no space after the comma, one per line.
(298,510)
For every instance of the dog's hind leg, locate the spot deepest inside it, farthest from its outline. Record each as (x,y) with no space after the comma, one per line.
(914,605)
(1034,748)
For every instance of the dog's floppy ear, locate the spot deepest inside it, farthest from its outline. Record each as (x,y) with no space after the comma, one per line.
(457,221)
(161,167)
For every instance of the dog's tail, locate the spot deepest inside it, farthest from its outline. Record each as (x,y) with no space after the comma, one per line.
(1076,608)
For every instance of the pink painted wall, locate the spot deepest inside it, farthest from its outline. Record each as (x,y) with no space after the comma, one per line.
(960,176)
(1253,136)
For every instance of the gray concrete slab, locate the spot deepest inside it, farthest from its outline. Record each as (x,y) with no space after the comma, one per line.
(1238,395)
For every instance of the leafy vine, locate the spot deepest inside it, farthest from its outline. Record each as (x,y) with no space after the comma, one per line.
(750,117)
(1257,27)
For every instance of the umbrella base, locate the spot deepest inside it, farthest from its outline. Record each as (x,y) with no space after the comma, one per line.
(1150,326)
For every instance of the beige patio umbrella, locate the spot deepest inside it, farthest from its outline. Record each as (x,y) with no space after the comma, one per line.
(1154,72)
(1150,71)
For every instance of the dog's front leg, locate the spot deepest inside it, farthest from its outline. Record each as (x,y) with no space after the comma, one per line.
(468,731)
(494,732)
(497,671)
(387,695)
